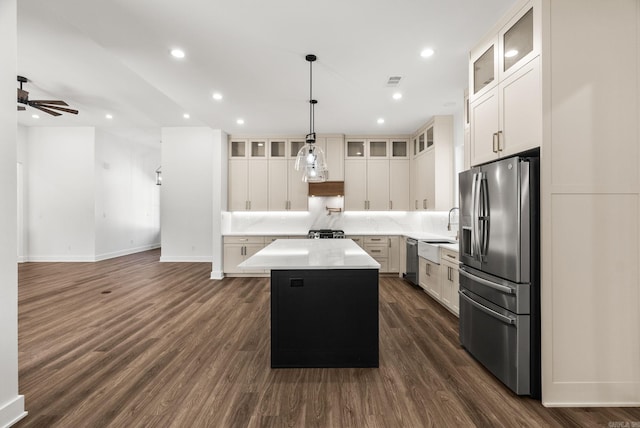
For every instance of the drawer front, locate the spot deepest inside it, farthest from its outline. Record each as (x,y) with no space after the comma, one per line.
(244,240)
(449,255)
(376,240)
(377,251)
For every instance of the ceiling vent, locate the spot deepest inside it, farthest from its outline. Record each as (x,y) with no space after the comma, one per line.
(393,80)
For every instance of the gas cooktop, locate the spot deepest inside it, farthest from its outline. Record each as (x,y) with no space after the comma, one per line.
(325,234)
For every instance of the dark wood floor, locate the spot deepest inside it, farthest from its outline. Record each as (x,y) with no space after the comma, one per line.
(133,342)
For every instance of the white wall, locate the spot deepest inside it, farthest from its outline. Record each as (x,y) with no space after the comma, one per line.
(11,404)
(127,205)
(186,202)
(220,174)
(60,179)
(23,250)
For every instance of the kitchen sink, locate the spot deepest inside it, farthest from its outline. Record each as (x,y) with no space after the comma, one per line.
(430,248)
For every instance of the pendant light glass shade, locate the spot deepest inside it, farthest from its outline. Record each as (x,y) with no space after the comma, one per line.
(310,159)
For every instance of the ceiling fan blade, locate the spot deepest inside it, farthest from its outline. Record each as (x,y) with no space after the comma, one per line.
(40,104)
(20,108)
(46,110)
(57,102)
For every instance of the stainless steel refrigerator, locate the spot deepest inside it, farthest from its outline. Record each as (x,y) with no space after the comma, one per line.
(500,270)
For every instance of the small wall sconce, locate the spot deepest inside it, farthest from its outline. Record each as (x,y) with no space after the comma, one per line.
(159,176)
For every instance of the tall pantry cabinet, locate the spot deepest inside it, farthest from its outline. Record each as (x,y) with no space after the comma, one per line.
(564,76)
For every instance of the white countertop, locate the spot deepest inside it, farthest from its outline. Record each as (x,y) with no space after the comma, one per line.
(453,247)
(311,254)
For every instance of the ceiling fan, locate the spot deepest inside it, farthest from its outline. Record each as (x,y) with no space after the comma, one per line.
(47,106)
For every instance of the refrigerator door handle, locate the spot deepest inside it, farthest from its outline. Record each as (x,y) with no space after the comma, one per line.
(476,215)
(490,312)
(501,288)
(484,203)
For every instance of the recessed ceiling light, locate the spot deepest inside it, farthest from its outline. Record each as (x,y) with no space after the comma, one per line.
(510,53)
(426,53)
(177,53)
(380,121)
(108,116)
(35,116)
(240,121)
(217,96)
(397,96)
(186,115)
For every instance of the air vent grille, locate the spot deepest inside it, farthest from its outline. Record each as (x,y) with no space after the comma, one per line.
(393,80)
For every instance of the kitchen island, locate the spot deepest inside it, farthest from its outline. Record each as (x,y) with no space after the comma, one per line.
(324,302)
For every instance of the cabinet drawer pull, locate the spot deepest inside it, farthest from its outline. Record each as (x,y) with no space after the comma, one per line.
(375,251)
(376,239)
(450,256)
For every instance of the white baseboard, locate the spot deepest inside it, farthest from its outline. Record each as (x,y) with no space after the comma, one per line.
(187,259)
(65,258)
(96,258)
(126,252)
(12,411)
(217,274)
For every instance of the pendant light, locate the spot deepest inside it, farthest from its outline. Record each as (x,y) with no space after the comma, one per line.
(310,159)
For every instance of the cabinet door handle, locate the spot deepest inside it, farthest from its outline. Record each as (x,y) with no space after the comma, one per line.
(390,205)
(495,142)
(416,204)
(500,141)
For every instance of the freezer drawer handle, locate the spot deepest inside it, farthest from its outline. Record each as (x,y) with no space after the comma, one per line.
(483,281)
(490,312)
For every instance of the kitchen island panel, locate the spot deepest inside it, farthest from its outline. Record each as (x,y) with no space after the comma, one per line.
(324,318)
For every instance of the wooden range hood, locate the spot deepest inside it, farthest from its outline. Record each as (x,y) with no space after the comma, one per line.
(327,188)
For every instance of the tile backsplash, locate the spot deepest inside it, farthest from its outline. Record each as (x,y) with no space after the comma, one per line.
(352,222)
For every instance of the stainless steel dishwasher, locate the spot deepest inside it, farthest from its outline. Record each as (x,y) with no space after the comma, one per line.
(411,274)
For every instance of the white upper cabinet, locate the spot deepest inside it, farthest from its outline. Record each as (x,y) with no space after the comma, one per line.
(333,147)
(262,175)
(377,174)
(432,168)
(505,97)
(502,53)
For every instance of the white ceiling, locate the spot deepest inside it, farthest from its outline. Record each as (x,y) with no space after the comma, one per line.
(113,57)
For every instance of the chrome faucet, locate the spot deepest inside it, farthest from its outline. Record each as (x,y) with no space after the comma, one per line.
(449,222)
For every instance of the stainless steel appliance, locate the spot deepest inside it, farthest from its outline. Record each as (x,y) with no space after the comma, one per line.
(411,273)
(325,234)
(499,270)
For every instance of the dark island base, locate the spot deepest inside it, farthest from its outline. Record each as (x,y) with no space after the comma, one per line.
(324,318)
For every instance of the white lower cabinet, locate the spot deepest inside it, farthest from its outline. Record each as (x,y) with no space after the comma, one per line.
(449,279)
(441,281)
(378,248)
(384,249)
(429,277)
(239,248)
